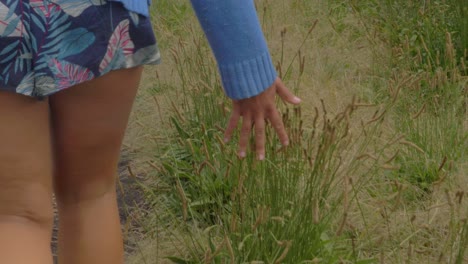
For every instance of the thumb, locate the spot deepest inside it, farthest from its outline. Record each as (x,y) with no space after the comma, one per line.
(285,94)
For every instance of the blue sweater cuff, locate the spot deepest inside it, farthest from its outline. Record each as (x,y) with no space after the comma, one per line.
(248,78)
(236,38)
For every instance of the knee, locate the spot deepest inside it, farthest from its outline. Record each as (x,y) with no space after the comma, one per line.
(85,172)
(86,157)
(77,191)
(26,201)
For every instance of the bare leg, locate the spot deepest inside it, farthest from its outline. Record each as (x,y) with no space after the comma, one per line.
(89,123)
(26,214)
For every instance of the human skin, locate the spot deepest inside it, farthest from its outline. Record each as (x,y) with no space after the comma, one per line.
(70,145)
(254,112)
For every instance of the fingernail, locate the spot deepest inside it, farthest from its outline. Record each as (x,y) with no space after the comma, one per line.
(297,99)
(242,154)
(261,157)
(226,140)
(286,143)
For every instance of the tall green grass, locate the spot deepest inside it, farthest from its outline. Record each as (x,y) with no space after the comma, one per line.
(429,55)
(341,191)
(290,208)
(425,35)
(428,76)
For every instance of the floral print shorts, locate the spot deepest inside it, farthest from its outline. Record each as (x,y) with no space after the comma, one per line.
(50,45)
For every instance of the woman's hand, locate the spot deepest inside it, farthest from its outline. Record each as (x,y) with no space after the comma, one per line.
(254,112)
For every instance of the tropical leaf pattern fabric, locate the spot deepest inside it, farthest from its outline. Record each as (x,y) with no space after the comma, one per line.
(50,45)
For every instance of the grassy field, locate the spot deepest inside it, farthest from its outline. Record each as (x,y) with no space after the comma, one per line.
(376,172)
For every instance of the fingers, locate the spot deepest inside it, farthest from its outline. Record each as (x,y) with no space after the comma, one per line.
(285,94)
(254,111)
(260,137)
(233,121)
(278,125)
(244,135)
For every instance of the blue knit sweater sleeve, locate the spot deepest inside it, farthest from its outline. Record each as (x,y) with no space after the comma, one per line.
(138,6)
(235,36)
(237,41)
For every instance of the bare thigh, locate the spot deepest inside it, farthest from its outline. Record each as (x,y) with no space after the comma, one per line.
(88,123)
(25,159)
